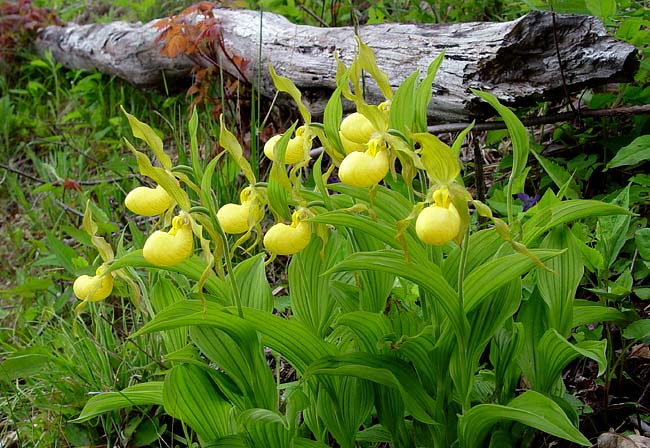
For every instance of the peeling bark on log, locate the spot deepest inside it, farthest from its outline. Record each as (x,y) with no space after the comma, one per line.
(517,61)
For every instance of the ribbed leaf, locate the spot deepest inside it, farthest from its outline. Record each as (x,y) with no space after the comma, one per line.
(368,328)
(489,317)
(384,370)
(586,312)
(558,288)
(344,405)
(378,230)
(265,428)
(555,353)
(143,394)
(505,349)
(242,359)
(564,212)
(290,338)
(483,246)
(424,273)
(311,300)
(190,395)
(488,277)
(253,286)
(163,294)
(530,408)
(374,286)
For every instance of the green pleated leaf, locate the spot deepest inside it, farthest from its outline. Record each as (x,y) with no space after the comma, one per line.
(532,315)
(530,408)
(586,312)
(368,328)
(421,352)
(389,205)
(374,434)
(555,353)
(143,394)
(505,349)
(374,286)
(490,316)
(483,246)
(144,132)
(344,406)
(163,294)
(311,300)
(254,288)
(242,358)
(343,219)
(517,131)
(564,212)
(402,106)
(288,337)
(236,441)
(265,428)
(558,288)
(384,370)
(495,273)
(190,395)
(424,273)
(300,442)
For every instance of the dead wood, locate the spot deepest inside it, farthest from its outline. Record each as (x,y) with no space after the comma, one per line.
(517,61)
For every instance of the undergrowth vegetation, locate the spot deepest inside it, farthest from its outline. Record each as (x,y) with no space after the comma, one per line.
(211,269)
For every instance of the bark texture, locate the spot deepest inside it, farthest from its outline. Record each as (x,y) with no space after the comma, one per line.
(517,61)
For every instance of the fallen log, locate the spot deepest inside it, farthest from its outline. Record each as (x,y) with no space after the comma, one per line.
(518,61)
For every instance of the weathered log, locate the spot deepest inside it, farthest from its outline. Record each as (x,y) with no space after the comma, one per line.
(517,61)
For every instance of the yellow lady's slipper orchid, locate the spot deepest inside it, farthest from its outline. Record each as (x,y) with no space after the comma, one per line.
(283,239)
(170,248)
(96,288)
(147,201)
(363,169)
(440,222)
(350,146)
(357,128)
(237,218)
(295,148)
